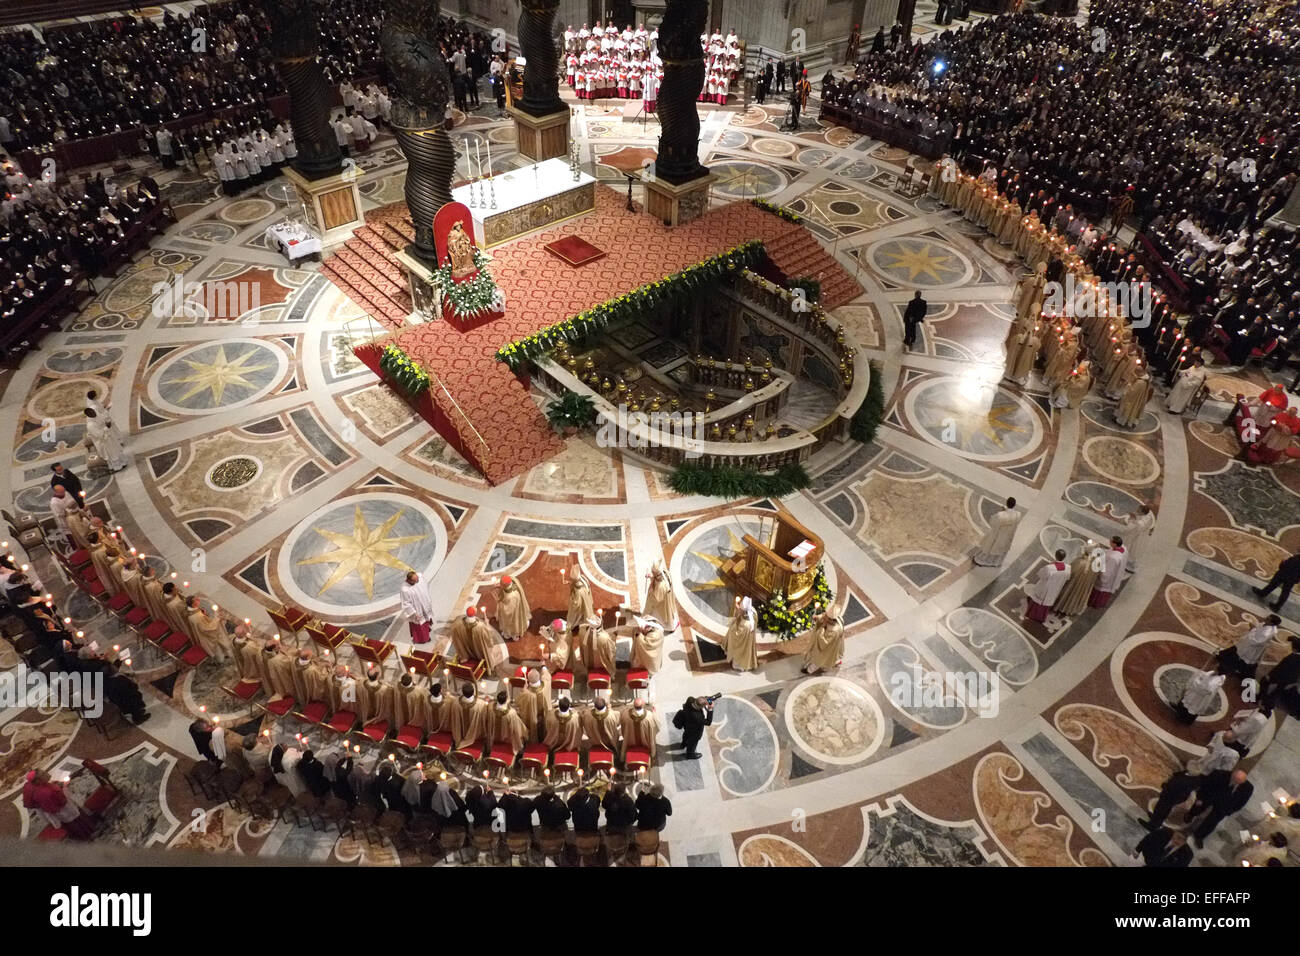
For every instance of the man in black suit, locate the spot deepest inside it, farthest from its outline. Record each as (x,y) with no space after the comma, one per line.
(70,482)
(780,76)
(1280,682)
(653,809)
(1222,795)
(1286,577)
(913,316)
(1164,848)
(518,811)
(552,812)
(695,715)
(584,806)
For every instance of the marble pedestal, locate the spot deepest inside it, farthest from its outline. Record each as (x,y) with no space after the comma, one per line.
(674,204)
(333,203)
(541,137)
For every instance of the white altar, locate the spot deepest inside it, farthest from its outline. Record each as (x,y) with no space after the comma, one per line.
(527,199)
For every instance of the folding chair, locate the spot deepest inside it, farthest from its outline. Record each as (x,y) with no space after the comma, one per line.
(341,721)
(373,652)
(279,706)
(245,690)
(375,730)
(408,737)
(439,743)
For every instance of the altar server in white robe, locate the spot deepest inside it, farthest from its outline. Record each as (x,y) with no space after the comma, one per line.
(103,411)
(1140,525)
(992,549)
(1113,563)
(1244,656)
(417,608)
(1199,696)
(1249,727)
(105,442)
(1047,587)
(1186,386)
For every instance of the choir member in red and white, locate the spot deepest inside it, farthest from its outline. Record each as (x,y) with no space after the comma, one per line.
(417,608)
(1047,587)
(1113,562)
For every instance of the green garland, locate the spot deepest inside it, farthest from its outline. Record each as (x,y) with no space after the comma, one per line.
(472,297)
(728,481)
(404,373)
(779,211)
(671,290)
(775,618)
(867,418)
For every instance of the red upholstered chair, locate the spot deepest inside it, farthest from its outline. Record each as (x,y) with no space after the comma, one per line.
(501,756)
(76,560)
(421,663)
(155,632)
(1261,354)
(562,680)
(314,712)
(175,643)
(638,758)
(375,730)
(471,670)
(193,656)
(316,631)
(470,754)
(342,722)
(598,760)
(279,706)
(373,652)
(565,761)
(439,743)
(520,676)
(136,617)
(535,757)
(245,690)
(598,679)
(119,603)
(409,737)
(289,620)
(637,679)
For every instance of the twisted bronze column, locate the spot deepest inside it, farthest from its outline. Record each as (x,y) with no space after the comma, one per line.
(679,45)
(538,44)
(420,85)
(295,45)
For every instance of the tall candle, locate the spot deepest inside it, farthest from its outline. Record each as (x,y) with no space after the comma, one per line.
(488,143)
(478,155)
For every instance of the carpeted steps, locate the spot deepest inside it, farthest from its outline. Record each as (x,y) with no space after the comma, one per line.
(798,253)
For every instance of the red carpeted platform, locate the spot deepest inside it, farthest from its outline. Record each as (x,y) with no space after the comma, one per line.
(541,290)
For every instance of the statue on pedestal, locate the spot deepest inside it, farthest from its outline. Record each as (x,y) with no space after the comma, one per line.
(420,85)
(460,251)
(295,44)
(679,45)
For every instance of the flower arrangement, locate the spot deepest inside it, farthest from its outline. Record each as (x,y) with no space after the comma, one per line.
(469,297)
(812,287)
(867,418)
(776,618)
(779,211)
(648,298)
(405,373)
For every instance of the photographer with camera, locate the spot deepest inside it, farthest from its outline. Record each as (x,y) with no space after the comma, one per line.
(695,715)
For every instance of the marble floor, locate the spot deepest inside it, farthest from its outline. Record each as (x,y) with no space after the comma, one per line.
(268,465)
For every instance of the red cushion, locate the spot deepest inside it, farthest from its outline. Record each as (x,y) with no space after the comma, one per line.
(536,753)
(597,678)
(520,677)
(637,757)
(639,677)
(562,679)
(503,754)
(597,758)
(156,631)
(245,689)
(440,742)
(409,736)
(376,730)
(88,574)
(174,643)
(296,617)
(314,712)
(470,751)
(343,721)
(93,588)
(281,706)
(136,616)
(565,759)
(194,656)
(120,601)
(100,799)
(79,558)
(52,834)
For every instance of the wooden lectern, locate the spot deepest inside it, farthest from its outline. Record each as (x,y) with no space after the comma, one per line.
(782,563)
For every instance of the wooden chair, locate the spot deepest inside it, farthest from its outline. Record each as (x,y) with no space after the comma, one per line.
(616,844)
(363,818)
(486,840)
(520,845)
(202,778)
(439,743)
(587,846)
(306,808)
(647,845)
(390,826)
(452,840)
(551,842)
(335,810)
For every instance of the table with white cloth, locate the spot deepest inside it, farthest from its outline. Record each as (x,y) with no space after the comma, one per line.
(293,240)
